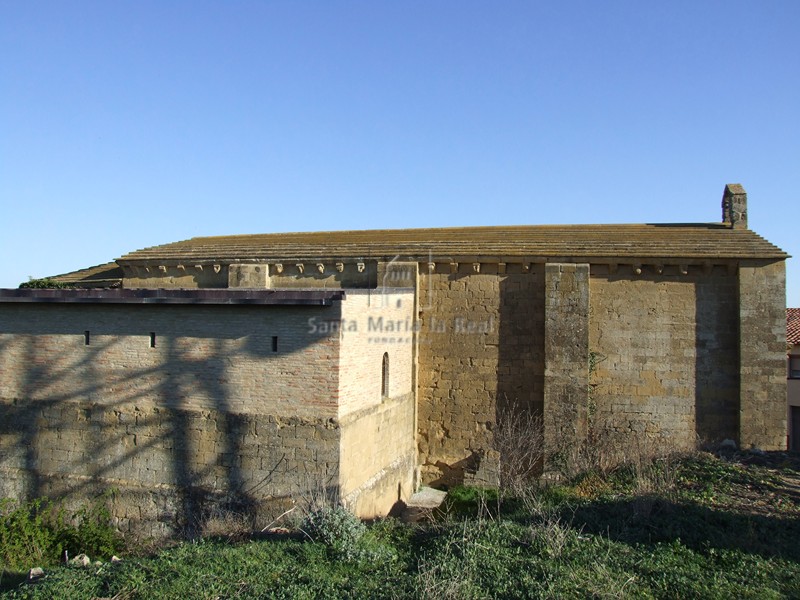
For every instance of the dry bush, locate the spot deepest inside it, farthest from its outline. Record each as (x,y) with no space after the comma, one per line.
(229,524)
(519,439)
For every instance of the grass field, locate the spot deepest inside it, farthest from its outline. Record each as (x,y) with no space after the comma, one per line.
(695,526)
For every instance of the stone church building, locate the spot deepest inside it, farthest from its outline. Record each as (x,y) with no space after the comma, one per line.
(253,371)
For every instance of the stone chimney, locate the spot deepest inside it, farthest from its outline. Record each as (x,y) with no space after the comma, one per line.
(734,206)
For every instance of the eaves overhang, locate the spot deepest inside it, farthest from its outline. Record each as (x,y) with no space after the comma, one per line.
(173,296)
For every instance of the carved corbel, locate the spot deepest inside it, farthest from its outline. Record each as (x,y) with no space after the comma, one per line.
(340,266)
(659,268)
(637,269)
(526,267)
(454,267)
(476,267)
(683,269)
(181,268)
(300,267)
(279,267)
(431,267)
(321,267)
(217,268)
(199,268)
(360,266)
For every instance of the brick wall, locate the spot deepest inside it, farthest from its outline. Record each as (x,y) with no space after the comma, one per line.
(224,404)
(378,454)
(375,323)
(205,357)
(210,411)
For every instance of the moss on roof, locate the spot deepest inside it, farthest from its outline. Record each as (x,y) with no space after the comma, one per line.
(691,241)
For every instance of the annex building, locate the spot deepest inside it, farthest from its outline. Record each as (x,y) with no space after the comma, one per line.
(253,371)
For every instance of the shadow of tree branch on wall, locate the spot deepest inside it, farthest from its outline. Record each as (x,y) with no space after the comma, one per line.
(163,423)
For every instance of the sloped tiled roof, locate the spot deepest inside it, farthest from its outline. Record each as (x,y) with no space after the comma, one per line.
(691,241)
(793,325)
(105,275)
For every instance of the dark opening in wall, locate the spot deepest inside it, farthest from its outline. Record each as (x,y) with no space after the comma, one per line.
(385,375)
(152,339)
(274,343)
(86,337)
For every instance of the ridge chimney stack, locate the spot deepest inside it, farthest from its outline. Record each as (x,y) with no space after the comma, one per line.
(734,206)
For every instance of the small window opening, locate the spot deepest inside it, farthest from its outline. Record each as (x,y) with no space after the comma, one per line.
(274,343)
(385,375)
(152,339)
(794,367)
(86,338)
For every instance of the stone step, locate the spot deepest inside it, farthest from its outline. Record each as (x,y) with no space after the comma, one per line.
(422,503)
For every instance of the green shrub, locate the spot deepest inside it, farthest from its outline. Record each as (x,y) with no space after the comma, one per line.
(45,283)
(27,534)
(337,528)
(37,533)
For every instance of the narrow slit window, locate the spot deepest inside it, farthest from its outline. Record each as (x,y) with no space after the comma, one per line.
(152,339)
(86,338)
(274,343)
(385,375)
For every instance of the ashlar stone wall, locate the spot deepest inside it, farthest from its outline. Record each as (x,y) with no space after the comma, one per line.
(481,350)
(762,348)
(611,354)
(664,349)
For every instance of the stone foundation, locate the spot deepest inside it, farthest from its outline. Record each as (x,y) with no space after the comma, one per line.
(169,470)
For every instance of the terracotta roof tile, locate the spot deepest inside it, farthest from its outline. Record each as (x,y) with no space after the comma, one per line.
(793,325)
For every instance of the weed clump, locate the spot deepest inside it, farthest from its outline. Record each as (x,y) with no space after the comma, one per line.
(40,532)
(341,532)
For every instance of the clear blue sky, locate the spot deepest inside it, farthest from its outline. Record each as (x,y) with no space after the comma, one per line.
(131,124)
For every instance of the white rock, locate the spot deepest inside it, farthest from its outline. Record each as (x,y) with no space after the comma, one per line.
(35,573)
(81,561)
